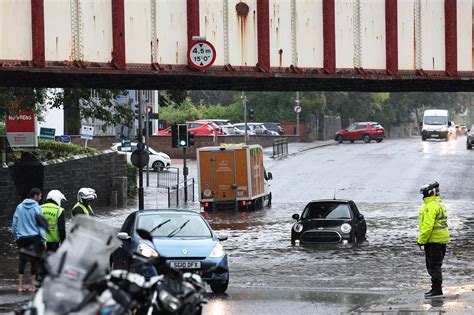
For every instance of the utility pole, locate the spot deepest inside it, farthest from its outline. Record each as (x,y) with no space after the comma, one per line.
(141,204)
(244,103)
(147,122)
(297,103)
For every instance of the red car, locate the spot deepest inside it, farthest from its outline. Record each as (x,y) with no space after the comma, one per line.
(361,131)
(195,127)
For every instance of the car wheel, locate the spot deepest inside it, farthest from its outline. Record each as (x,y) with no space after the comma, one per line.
(158,166)
(423,138)
(469,146)
(339,138)
(352,141)
(366,138)
(269,205)
(219,287)
(379,140)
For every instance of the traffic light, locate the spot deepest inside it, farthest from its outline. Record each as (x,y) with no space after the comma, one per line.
(182,135)
(174,136)
(250,115)
(190,138)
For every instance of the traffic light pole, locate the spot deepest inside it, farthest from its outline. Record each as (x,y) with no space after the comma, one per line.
(140,140)
(244,102)
(185,176)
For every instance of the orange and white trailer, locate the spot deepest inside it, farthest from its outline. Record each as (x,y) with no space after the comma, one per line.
(233,177)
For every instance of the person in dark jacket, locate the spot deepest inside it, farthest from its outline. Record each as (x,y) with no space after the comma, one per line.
(28,234)
(54,215)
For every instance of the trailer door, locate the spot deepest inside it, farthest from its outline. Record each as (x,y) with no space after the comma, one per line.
(223,170)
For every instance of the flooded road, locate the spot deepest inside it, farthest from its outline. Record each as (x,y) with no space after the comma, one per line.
(385,272)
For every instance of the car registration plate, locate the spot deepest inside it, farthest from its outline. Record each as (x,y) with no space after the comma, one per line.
(435,135)
(185,264)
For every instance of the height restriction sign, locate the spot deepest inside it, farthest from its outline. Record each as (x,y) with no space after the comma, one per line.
(201,55)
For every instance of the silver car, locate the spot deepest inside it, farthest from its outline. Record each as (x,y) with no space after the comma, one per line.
(158,160)
(470,137)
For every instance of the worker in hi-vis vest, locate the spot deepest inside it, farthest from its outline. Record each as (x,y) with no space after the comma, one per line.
(84,198)
(54,215)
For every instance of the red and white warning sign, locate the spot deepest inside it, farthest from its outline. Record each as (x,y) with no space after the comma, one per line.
(201,55)
(21,129)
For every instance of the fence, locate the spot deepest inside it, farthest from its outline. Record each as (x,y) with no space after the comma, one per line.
(167,177)
(280,147)
(181,194)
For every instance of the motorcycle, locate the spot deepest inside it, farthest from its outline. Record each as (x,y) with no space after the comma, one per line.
(76,279)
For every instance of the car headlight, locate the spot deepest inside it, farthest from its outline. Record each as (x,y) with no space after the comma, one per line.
(146,251)
(346,228)
(218,251)
(298,227)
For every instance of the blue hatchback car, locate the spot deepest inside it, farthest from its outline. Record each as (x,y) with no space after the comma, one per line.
(183,237)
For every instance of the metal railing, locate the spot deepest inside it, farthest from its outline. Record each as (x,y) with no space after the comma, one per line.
(167,177)
(181,193)
(280,147)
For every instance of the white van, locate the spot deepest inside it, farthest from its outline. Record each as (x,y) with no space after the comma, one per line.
(435,124)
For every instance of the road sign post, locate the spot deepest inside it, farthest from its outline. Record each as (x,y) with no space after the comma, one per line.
(201,55)
(297,110)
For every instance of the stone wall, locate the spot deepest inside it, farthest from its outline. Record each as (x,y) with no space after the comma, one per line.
(321,127)
(105,173)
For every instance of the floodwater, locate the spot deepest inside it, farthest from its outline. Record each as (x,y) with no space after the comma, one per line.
(385,272)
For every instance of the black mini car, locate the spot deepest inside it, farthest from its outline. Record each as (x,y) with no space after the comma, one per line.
(329,221)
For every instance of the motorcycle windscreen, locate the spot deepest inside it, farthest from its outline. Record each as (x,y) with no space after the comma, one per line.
(84,256)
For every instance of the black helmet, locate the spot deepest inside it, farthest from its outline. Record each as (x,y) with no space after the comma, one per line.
(430,189)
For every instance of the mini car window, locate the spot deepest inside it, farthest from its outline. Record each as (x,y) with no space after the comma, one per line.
(361,126)
(351,127)
(180,225)
(327,211)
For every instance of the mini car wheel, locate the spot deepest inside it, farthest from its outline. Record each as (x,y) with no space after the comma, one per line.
(366,138)
(352,141)
(355,239)
(423,138)
(158,166)
(219,287)
(339,138)
(379,140)
(469,146)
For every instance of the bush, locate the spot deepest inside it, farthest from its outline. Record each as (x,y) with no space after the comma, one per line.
(2,130)
(132,175)
(50,150)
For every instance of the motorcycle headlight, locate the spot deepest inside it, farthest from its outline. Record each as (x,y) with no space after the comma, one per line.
(146,251)
(218,251)
(298,227)
(346,228)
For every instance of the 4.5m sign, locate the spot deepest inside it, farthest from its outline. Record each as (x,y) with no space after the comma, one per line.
(21,129)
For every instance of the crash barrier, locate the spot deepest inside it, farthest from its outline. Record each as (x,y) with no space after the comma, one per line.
(280,147)
(181,193)
(167,177)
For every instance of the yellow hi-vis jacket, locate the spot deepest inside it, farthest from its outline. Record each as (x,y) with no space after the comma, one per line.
(433,222)
(51,213)
(87,210)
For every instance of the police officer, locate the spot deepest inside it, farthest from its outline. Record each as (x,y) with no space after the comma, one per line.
(434,235)
(54,214)
(84,197)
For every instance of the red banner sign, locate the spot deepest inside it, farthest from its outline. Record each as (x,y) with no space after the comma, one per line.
(24,122)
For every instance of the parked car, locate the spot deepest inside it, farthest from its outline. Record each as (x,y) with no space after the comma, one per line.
(241,126)
(329,221)
(365,131)
(183,237)
(218,122)
(470,137)
(195,127)
(158,160)
(260,129)
(274,127)
(231,130)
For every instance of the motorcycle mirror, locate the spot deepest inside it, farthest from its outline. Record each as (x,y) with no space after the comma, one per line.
(41,221)
(145,234)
